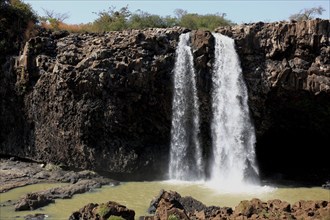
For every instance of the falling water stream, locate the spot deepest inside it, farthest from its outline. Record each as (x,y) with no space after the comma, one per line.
(233,148)
(233,134)
(185,154)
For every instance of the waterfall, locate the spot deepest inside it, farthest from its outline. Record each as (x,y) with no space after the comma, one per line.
(233,134)
(185,153)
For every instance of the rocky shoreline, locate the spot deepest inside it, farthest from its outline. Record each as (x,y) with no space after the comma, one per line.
(15,173)
(167,205)
(171,205)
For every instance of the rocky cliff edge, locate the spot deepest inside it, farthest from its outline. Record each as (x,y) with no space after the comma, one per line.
(103,101)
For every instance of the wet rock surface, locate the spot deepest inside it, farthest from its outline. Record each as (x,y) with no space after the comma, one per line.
(287,70)
(39,199)
(104,211)
(282,57)
(15,174)
(171,204)
(37,216)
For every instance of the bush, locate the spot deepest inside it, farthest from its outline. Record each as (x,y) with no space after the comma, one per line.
(112,20)
(17,21)
(205,22)
(53,18)
(145,20)
(117,20)
(72,28)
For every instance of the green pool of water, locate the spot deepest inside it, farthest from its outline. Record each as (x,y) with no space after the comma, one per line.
(137,196)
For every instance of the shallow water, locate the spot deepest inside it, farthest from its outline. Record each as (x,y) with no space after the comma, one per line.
(137,196)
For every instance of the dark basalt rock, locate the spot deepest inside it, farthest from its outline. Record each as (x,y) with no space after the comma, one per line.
(103,212)
(172,204)
(39,199)
(104,101)
(101,102)
(326,185)
(37,216)
(286,67)
(33,201)
(17,173)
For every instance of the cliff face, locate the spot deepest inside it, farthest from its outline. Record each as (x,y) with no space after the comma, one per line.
(103,102)
(287,70)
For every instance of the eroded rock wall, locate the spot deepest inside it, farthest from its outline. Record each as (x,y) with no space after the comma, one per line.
(286,66)
(93,101)
(104,101)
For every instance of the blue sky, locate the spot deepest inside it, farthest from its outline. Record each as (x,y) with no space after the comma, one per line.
(238,11)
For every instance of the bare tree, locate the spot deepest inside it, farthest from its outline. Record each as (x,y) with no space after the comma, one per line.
(307,13)
(180,13)
(51,14)
(54,18)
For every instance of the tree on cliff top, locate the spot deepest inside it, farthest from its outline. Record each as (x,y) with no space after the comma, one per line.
(307,14)
(53,18)
(16,24)
(112,20)
(205,22)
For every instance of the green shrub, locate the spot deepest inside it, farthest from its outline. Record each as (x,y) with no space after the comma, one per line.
(205,22)
(23,11)
(145,20)
(17,21)
(103,209)
(116,20)
(172,217)
(112,20)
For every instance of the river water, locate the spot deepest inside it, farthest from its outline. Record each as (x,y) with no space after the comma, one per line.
(137,196)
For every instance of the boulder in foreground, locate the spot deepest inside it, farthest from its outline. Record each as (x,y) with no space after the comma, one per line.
(104,211)
(171,205)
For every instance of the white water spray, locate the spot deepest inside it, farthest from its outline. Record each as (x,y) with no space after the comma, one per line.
(185,154)
(233,133)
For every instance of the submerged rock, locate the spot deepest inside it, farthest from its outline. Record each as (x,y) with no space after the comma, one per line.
(36,200)
(37,216)
(33,201)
